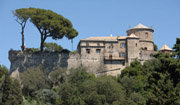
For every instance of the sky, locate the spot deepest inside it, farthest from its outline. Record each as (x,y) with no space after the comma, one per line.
(91,18)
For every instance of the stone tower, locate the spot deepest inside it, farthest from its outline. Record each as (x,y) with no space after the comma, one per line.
(132,48)
(145,35)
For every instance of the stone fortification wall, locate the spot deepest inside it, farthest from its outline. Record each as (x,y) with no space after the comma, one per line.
(146,55)
(74,61)
(21,61)
(26,60)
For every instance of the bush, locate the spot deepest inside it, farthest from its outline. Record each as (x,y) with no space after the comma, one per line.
(33,80)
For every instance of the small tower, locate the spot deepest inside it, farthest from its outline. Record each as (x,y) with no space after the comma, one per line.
(166,49)
(132,48)
(145,35)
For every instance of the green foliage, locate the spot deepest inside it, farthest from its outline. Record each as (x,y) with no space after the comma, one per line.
(84,88)
(70,95)
(10,91)
(134,69)
(74,52)
(52,47)
(109,87)
(177,47)
(3,72)
(46,96)
(155,82)
(35,49)
(155,47)
(51,24)
(33,80)
(58,77)
(21,15)
(12,94)
(79,75)
(48,23)
(32,102)
(136,99)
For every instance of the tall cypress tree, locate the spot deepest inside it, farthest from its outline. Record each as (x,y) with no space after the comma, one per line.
(12,94)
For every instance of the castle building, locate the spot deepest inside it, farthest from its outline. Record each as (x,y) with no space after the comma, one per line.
(111,54)
(99,55)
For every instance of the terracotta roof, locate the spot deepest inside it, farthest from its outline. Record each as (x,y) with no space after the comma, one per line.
(133,36)
(122,37)
(165,47)
(114,38)
(139,26)
(101,38)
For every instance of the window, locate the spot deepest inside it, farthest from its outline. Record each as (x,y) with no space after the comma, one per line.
(136,44)
(145,48)
(111,46)
(146,34)
(114,62)
(87,43)
(110,56)
(122,45)
(88,51)
(98,44)
(122,54)
(98,51)
(123,63)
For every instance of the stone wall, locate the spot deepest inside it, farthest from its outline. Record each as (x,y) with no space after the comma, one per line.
(143,34)
(74,61)
(132,49)
(21,61)
(27,60)
(146,55)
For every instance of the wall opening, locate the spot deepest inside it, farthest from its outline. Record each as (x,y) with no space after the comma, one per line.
(110,56)
(98,44)
(88,51)
(145,48)
(87,43)
(122,45)
(98,51)
(122,54)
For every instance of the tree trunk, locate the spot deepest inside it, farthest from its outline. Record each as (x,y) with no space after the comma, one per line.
(72,43)
(42,46)
(42,42)
(22,33)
